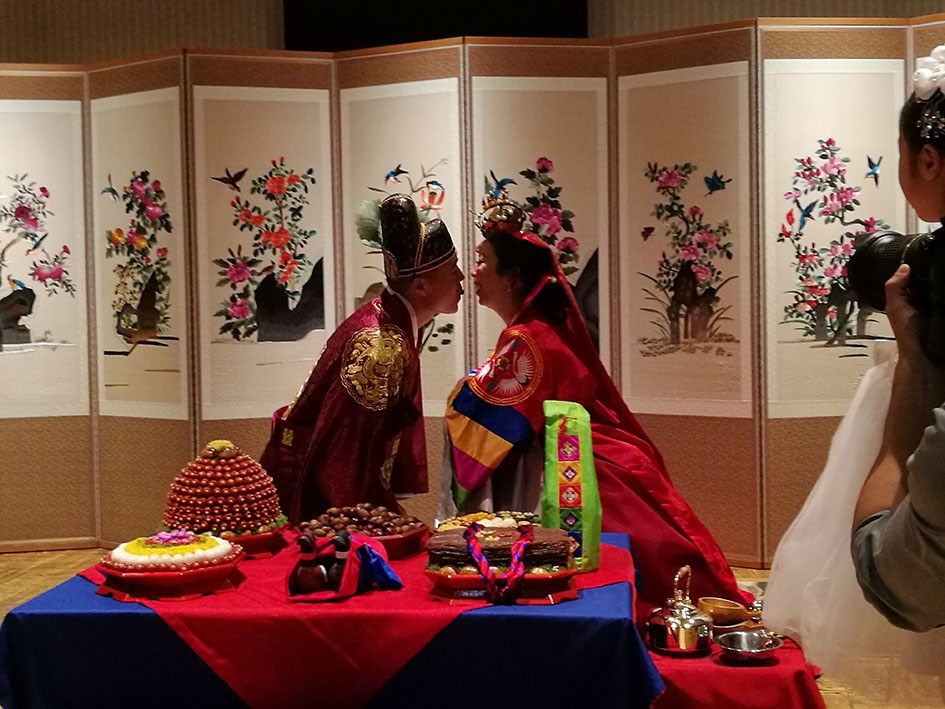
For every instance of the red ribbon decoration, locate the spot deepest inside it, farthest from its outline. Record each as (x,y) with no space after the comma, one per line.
(499,589)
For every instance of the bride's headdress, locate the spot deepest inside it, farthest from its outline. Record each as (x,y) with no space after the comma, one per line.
(928,84)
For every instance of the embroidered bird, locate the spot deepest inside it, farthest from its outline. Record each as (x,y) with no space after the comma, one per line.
(36,244)
(805,213)
(231,181)
(873,172)
(500,185)
(394,175)
(647,232)
(15,284)
(715,182)
(111,191)
(435,185)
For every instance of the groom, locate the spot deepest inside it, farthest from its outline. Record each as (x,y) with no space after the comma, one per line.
(354,432)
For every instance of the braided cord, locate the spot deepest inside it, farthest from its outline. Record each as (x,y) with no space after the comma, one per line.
(499,589)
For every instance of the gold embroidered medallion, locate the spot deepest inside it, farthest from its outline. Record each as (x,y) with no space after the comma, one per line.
(373,365)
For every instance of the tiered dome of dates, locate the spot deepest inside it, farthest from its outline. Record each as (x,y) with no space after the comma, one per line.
(224,492)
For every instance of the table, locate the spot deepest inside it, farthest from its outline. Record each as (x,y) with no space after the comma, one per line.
(710,682)
(69,647)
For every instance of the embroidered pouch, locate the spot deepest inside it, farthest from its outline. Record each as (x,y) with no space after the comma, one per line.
(569,498)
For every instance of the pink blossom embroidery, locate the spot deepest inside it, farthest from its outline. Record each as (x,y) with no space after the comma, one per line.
(547,216)
(44,273)
(706,238)
(669,178)
(238,309)
(568,244)
(238,272)
(544,165)
(702,272)
(153,211)
(833,166)
(688,253)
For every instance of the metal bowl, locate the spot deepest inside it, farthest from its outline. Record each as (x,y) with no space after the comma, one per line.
(748,645)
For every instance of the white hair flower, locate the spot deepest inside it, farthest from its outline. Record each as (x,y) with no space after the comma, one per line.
(930,74)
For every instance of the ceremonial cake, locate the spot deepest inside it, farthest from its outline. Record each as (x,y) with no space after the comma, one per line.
(224,492)
(550,550)
(177,550)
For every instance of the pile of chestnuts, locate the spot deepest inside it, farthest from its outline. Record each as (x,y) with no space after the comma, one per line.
(364,518)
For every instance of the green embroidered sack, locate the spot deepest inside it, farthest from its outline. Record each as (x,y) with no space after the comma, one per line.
(569,498)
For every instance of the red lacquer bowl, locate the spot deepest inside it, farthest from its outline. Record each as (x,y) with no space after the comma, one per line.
(533,589)
(169,585)
(265,544)
(399,546)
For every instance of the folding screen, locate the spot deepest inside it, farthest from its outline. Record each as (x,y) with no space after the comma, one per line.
(44,388)
(143,302)
(831,100)
(401,131)
(540,119)
(705,245)
(262,182)
(685,268)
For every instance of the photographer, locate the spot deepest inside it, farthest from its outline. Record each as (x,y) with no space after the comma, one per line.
(898,542)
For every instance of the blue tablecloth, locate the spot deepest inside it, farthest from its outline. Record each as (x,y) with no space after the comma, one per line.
(72,648)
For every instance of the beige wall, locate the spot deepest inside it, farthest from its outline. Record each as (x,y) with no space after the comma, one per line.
(621,18)
(83,31)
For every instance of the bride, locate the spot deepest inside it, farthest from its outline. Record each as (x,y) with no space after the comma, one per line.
(495,423)
(813,595)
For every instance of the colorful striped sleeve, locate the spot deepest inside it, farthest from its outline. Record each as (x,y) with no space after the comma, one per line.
(481,435)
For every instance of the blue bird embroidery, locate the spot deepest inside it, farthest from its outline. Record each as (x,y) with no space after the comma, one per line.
(873,172)
(715,182)
(15,284)
(806,213)
(36,244)
(111,191)
(394,175)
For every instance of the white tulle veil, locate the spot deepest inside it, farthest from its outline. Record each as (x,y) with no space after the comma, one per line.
(813,596)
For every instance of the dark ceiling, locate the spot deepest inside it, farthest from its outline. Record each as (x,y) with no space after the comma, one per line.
(336,25)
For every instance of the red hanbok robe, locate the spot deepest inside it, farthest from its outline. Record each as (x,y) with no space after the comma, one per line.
(495,424)
(355,431)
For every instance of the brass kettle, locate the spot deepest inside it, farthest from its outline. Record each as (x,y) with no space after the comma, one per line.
(679,628)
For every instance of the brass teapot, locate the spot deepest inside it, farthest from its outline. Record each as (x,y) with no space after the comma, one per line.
(679,628)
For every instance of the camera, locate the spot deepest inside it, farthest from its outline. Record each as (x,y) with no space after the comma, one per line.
(875,260)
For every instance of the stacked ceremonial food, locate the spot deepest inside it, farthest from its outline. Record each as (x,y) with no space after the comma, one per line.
(549,551)
(223,492)
(503,518)
(177,550)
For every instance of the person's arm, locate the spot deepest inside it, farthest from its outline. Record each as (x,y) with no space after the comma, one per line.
(898,540)
(918,387)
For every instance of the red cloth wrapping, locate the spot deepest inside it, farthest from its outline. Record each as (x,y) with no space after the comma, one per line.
(330,654)
(707,682)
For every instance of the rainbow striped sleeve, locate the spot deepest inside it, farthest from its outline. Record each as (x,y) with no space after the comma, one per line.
(481,435)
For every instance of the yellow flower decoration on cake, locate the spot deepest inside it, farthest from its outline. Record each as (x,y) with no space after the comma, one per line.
(373,365)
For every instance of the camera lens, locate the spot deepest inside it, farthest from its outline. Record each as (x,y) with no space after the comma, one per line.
(876,259)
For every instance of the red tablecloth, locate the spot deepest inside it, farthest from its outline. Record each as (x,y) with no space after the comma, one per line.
(338,652)
(708,682)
